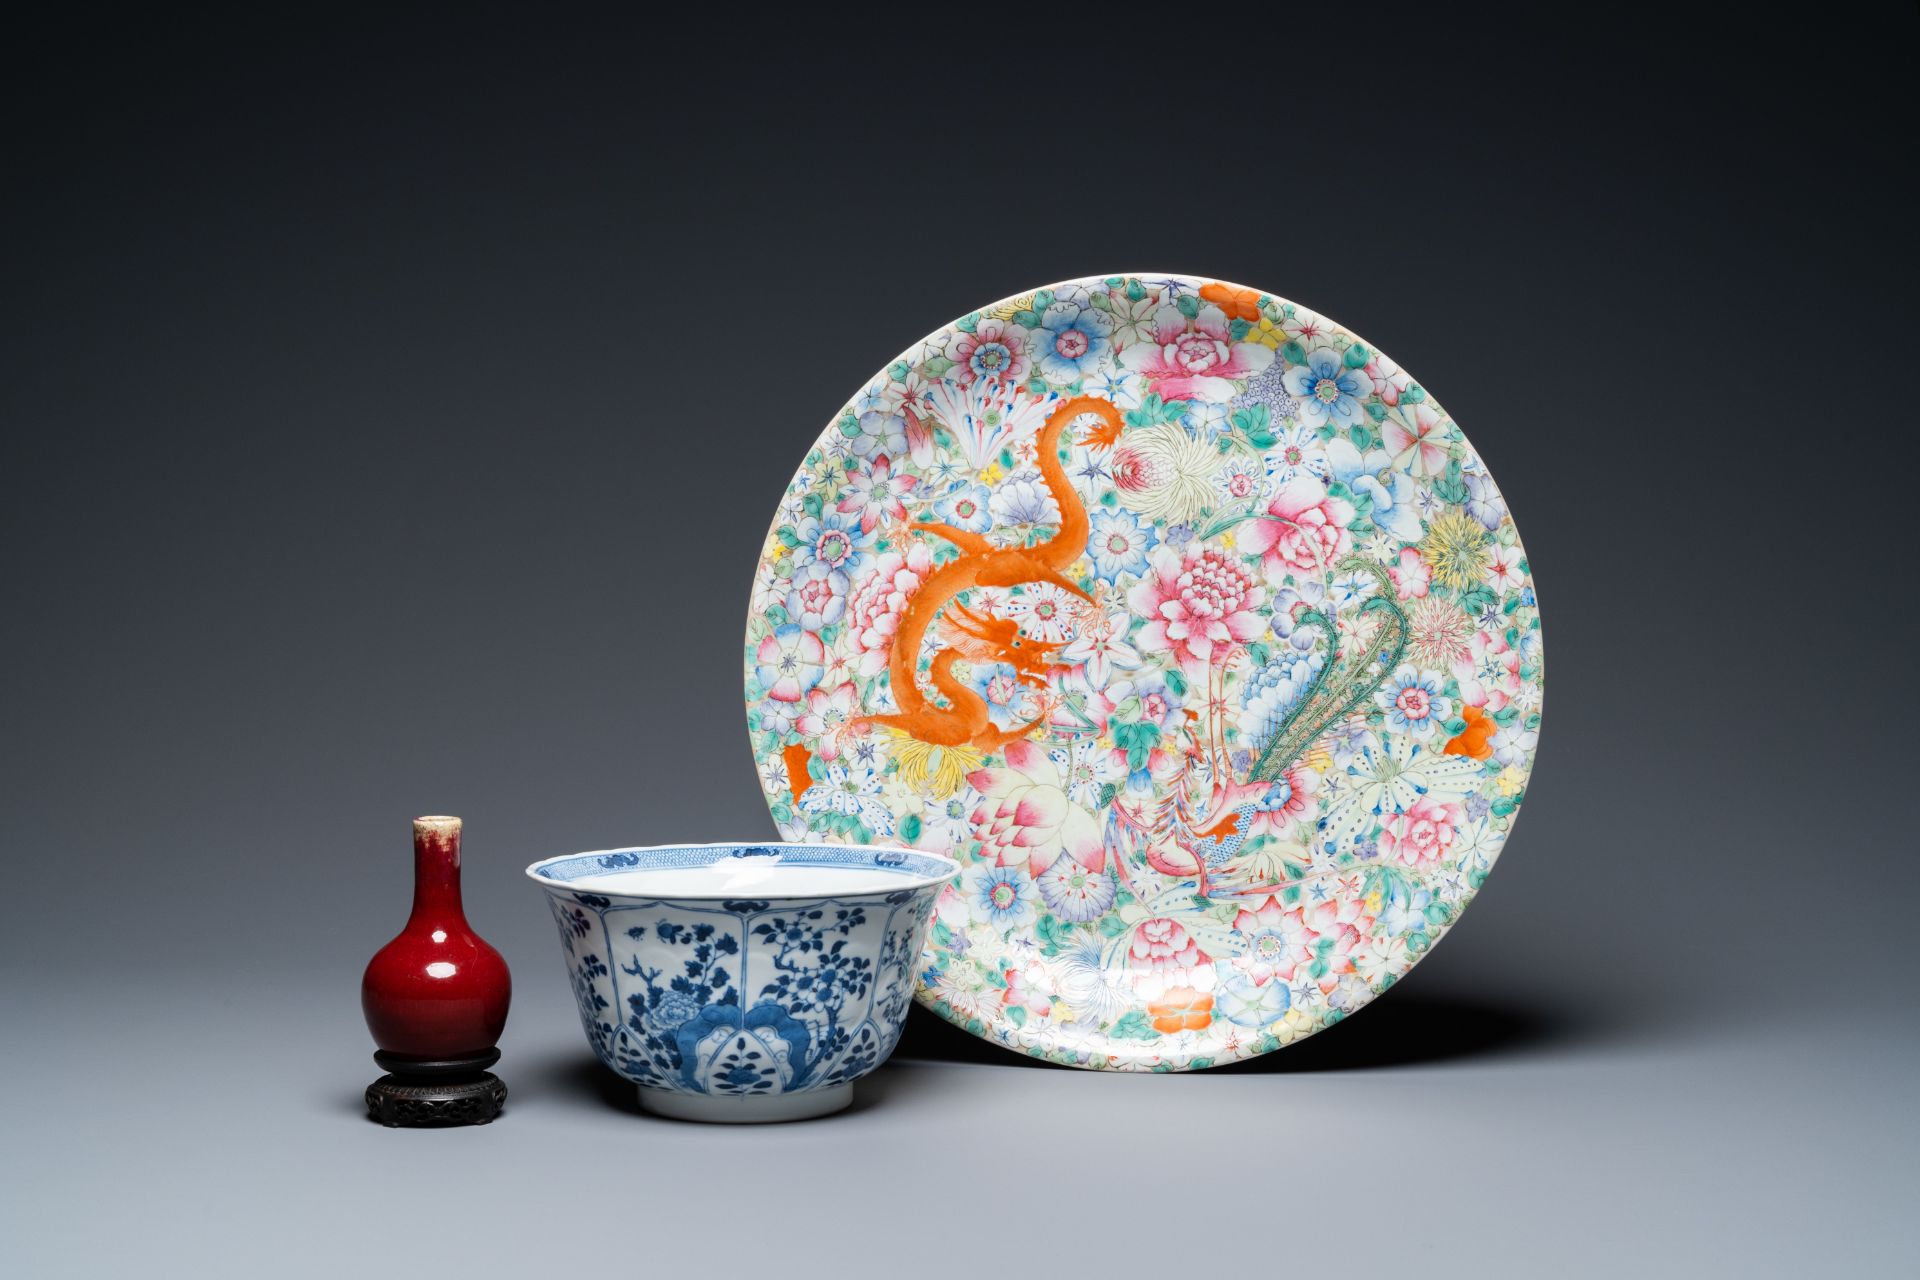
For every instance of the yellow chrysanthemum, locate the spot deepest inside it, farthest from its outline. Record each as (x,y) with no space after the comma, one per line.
(936,772)
(1456,550)
(992,473)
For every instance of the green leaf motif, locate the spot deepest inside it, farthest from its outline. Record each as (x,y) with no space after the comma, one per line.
(1153,411)
(1138,740)
(1134,1026)
(1356,356)
(1189,305)
(1478,599)
(1255,422)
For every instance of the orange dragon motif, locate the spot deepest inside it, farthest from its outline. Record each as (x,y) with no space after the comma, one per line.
(964,720)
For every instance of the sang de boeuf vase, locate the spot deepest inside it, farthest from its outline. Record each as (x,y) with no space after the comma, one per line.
(436,997)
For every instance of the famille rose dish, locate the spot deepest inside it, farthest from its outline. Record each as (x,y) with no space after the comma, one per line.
(1191,626)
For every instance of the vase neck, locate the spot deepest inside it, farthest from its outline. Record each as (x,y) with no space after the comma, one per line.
(436,871)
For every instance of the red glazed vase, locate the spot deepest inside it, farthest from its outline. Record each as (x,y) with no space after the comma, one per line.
(437,992)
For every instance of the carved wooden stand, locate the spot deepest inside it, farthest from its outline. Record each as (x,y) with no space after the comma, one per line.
(429,1094)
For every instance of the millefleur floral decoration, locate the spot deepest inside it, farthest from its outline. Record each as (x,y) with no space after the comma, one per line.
(1192,625)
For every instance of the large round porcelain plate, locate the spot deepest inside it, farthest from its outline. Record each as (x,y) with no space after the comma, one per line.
(1191,625)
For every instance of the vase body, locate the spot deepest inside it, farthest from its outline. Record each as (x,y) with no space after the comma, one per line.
(437,992)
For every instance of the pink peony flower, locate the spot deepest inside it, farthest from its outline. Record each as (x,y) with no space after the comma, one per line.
(1161,943)
(1199,606)
(1423,835)
(1194,359)
(878,600)
(1304,531)
(818,597)
(1026,816)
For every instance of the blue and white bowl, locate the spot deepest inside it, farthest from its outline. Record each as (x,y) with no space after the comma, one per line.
(743,982)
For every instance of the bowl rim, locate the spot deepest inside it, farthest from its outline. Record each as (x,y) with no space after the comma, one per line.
(906,880)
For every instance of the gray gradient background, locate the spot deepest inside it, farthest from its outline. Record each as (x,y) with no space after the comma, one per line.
(365,457)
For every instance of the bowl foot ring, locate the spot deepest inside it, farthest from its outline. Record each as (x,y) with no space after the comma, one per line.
(771,1109)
